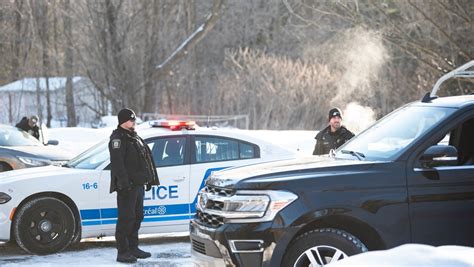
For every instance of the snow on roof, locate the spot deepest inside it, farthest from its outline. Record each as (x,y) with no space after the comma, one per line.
(29,84)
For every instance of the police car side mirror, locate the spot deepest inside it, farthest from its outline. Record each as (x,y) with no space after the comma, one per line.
(53,142)
(439,155)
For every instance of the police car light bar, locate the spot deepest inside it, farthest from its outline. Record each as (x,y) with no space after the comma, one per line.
(174,125)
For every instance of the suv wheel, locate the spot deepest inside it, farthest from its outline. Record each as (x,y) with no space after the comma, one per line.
(44,225)
(322,246)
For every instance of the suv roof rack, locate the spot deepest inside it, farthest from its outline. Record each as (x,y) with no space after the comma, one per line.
(460,72)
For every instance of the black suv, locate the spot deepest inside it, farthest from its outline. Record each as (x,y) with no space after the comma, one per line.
(407,179)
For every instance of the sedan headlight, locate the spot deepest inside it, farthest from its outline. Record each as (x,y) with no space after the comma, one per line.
(245,206)
(4,198)
(34,161)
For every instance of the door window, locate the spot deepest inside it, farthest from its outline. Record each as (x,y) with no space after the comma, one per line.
(210,149)
(461,137)
(168,151)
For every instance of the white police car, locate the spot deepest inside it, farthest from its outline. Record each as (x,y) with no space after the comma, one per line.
(46,208)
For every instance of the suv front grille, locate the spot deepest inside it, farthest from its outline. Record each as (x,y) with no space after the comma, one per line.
(209,220)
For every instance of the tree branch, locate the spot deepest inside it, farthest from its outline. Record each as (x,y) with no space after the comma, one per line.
(461,51)
(191,41)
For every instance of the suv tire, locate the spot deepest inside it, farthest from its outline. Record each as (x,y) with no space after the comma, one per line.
(44,225)
(322,246)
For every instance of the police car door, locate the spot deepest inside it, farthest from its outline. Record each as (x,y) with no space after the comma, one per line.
(213,153)
(167,205)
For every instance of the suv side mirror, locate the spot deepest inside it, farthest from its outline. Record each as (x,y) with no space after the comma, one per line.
(439,155)
(53,142)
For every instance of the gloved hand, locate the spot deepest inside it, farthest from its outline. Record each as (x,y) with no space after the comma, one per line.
(147,187)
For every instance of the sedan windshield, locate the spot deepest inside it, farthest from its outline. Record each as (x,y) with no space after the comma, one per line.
(386,139)
(11,136)
(91,158)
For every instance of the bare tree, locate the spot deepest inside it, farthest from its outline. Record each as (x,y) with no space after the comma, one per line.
(68,66)
(40,11)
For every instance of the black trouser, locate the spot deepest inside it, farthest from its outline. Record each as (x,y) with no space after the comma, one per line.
(130,216)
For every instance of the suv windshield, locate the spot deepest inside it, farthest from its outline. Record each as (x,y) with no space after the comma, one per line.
(386,139)
(11,136)
(91,158)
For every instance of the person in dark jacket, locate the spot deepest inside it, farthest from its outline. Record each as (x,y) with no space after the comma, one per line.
(333,136)
(30,126)
(132,169)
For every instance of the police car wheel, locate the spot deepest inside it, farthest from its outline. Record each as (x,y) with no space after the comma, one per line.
(77,235)
(322,246)
(44,225)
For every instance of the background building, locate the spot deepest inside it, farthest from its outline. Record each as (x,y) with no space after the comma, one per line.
(27,96)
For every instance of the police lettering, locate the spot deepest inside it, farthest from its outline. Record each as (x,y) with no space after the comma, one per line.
(162,192)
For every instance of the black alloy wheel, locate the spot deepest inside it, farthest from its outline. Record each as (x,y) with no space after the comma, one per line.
(44,225)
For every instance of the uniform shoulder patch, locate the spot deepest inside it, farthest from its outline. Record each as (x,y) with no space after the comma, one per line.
(116,143)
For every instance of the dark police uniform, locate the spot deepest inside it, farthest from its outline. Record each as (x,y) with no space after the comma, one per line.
(132,168)
(327,140)
(23,124)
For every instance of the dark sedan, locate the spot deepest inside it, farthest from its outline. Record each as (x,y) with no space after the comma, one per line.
(19,150)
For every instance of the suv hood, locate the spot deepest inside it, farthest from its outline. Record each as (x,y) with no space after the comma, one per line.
(283,169)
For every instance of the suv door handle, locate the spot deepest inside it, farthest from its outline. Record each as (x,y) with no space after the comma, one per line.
(179,178)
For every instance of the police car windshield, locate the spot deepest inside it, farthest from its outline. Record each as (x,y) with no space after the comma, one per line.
(91,158)
(386,139)
(11,136)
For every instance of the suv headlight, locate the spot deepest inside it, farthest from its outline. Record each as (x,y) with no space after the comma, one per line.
(34,161)
(246,206)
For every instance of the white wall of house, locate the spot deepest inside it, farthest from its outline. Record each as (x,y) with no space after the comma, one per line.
(18,99)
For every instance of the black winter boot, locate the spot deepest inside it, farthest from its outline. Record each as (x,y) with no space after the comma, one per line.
(126,257)
(140,254)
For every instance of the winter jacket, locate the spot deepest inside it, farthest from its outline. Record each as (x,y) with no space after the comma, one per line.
(131,161)
(327,140)
(23,125)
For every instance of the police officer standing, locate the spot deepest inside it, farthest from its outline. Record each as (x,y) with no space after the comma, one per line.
(29,125)
(333,136)
(132,169)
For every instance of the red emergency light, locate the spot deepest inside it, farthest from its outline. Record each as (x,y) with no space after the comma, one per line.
(174,125)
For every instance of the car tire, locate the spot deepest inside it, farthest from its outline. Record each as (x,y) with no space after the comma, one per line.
(76,239)
(322,246)
(5,167)
(44,225)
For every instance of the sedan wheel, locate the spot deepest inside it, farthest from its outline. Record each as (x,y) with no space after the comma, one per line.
(44,225)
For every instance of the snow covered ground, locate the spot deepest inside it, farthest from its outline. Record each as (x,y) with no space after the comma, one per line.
(174,250)
(167,251)
(414,255)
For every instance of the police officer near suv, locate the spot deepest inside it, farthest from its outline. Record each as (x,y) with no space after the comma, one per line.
(132,169)
(333,136)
